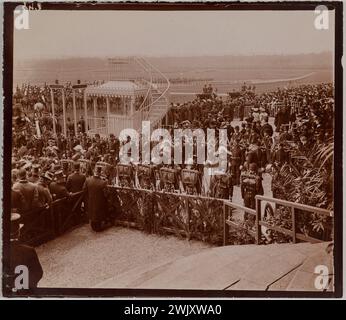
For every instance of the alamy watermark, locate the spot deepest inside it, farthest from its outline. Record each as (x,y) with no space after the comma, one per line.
(160,147)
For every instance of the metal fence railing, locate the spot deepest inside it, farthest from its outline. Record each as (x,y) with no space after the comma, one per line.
(189,216)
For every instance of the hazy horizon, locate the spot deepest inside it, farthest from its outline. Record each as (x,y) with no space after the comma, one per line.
(101,34)
(187,56)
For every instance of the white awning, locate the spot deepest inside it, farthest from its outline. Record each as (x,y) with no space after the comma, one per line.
(117,89)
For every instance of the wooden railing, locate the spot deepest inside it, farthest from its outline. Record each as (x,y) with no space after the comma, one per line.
(46,223)
(188,216)
(296,211)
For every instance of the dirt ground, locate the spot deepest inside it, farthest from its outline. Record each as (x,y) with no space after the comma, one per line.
(83,258)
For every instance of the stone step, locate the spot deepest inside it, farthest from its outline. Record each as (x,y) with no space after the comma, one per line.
(305,277)
(243,267)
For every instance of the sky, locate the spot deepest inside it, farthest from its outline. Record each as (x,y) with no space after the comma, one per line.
(56,34)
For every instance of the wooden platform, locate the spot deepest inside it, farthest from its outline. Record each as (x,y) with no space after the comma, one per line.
(248,267)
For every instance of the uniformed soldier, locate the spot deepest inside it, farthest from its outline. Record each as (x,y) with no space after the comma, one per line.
(251,186)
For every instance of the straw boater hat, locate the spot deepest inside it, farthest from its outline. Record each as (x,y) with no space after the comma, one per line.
(78,148)
(48,176)
(59,176)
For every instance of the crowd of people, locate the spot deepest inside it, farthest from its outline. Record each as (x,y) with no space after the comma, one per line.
(49,167)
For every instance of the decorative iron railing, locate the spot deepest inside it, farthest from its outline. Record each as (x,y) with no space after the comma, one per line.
(185,216)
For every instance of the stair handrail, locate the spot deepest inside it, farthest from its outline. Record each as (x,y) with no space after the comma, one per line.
(141,107)
(163,93)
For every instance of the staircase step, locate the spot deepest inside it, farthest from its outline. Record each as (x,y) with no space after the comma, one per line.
(305,276)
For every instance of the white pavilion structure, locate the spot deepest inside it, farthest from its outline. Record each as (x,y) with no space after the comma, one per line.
(136,91)
(123,100)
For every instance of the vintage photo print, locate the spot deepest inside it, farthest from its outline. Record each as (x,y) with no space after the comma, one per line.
(172,150)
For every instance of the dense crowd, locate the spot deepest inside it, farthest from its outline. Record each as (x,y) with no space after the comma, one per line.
(46,167)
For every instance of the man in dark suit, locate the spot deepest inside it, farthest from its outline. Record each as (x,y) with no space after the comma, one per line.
(35,173)
(45,197)
(96,202)
(28,191)
(75,183)
(114,146)
(21,257)
(76,180)
(237,159)
(58,188)
(266,127)
(280,156)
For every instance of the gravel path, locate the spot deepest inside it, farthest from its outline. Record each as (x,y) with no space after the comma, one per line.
(83,258)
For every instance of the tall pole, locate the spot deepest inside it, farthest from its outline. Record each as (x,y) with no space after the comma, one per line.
(85,111)
(64,111)
(74,110)
(107,102)
(53,111)
(95,112)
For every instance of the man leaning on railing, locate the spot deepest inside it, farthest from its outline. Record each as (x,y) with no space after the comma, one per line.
(95,189)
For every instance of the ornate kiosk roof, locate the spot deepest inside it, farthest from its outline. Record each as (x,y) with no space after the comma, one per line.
(117,88)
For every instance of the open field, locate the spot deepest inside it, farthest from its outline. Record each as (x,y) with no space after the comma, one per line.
(213,68)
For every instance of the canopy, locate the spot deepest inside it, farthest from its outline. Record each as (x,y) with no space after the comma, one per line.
(117,89)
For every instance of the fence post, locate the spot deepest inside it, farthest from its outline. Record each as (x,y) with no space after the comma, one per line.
(225,226)
(258,219)
(188,217)
(293,213)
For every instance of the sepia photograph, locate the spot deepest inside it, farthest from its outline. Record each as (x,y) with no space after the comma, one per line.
(172,150)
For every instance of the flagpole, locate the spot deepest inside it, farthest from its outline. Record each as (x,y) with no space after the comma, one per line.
(74,110)
(53,111)
(64,110)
